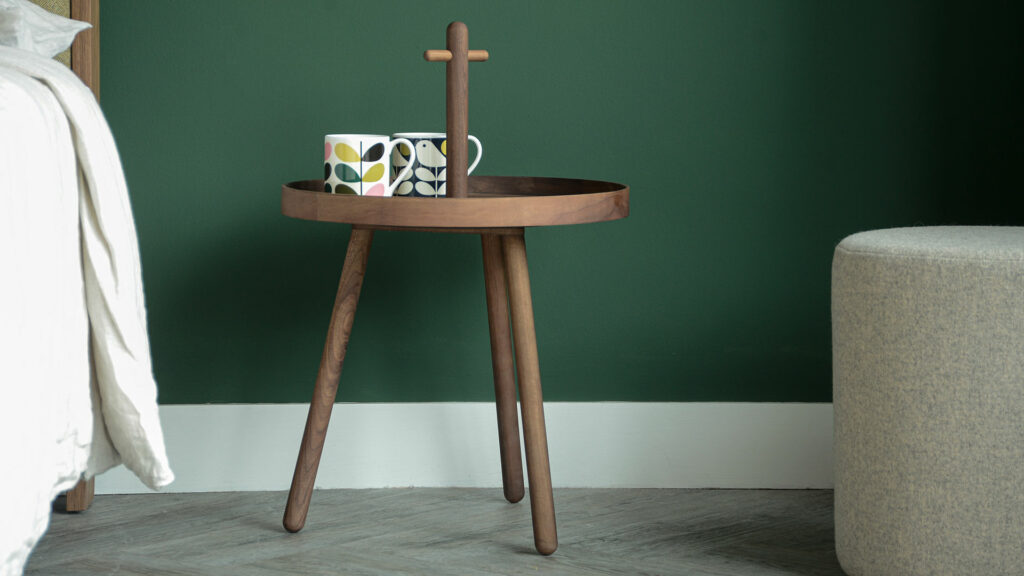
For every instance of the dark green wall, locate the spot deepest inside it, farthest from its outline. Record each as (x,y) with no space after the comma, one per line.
(754,135)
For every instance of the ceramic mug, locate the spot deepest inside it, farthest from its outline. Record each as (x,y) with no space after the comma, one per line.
(361,163)
(428,157)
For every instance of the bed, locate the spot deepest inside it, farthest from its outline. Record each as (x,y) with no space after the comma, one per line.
(77,394)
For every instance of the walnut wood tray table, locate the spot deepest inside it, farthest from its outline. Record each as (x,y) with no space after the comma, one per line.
(498,208)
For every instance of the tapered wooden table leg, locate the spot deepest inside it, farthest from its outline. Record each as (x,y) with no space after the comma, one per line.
(326,387)
(504,368)
(542,503)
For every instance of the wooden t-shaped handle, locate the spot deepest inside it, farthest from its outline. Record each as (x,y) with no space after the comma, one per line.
(458,56)
(446,56)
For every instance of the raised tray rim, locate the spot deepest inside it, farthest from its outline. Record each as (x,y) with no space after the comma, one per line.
(494,202)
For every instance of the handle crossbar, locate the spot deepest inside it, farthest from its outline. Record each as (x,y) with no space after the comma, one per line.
(446,56)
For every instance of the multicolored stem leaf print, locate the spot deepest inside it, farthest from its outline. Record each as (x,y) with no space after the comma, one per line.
(347,173)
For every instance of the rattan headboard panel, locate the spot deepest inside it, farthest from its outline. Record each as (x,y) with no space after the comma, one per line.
(84,55)
(61,8)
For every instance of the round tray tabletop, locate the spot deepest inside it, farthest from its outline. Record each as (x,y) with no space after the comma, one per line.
(493,202)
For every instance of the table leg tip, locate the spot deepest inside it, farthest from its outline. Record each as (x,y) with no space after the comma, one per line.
(293,525)
(514,496)
(546,548)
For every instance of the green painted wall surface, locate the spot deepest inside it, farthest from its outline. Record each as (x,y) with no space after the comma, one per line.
(754,135)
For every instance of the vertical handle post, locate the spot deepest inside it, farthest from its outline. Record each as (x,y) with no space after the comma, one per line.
(458,56)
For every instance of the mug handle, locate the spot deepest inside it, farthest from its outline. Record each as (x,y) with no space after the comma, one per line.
(479,154)
(408,167)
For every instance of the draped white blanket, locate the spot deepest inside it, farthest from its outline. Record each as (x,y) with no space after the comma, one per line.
(77,393)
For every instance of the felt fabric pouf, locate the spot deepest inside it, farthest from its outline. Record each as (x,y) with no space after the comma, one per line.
(928,392)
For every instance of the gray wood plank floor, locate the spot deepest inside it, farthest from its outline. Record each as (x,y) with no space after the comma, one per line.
(446,531)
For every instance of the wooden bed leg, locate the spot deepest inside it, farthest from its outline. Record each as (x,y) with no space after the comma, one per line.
(542,504)
(504,368)
(326,387)
(80,497)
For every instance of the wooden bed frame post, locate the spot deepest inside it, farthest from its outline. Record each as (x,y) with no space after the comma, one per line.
(85,52)
(85,62)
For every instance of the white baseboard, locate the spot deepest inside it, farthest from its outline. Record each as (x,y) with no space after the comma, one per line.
(237,447)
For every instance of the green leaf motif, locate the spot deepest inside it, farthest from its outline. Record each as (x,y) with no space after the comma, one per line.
(346,173)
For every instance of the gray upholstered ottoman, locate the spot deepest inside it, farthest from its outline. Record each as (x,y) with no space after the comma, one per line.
(928,352)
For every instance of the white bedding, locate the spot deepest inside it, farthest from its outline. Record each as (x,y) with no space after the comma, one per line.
(77,393)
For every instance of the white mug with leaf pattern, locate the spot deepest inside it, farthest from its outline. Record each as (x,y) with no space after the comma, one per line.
(360,164)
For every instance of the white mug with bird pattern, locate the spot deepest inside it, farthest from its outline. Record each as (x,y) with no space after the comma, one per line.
(428,158)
